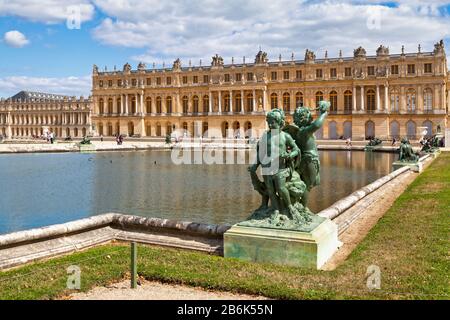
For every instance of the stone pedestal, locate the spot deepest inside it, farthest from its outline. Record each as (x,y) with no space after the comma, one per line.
(415,166)
(309,248)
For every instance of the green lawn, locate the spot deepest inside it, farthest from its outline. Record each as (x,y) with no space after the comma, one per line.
(410,244)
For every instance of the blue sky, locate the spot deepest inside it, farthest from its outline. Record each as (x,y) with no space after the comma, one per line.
(39,52)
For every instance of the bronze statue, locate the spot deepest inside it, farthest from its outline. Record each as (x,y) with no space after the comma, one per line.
(290,167)
(407,153)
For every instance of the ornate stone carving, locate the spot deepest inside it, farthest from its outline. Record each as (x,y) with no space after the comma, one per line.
(439,48)
(309,56)
(141,66)
(261,58)
(382,51)
(95,69)
(176,65)
(217,61)
(127,68)
(359,52)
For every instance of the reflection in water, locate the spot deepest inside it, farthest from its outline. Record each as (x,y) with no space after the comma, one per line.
(42,189)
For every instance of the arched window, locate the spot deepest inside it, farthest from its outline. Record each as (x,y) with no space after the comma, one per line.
(237,102)
(236,129)
(205,130)
(110,106)
(427,99)
(158,129)
(429,125)
(148,130)
(298,99)
(411,100)
(394,129)
(169,104)
(286,102)
(348,101)
(226,103)
(101,106)
(195,104)
(347,129)
(185,102)
(370,130)
(395,101)
(148,105)
(249,102)
(100,129)
(133,105)
(248,130)
(411,129)
(332,130)
(68,131)
(83,132)
(168,128)
(205,104)
(333,101)
(130,129)
(158,105)
(319,97)
(119,105)
(224,129)
(110,129)
(273,101)
(370,96)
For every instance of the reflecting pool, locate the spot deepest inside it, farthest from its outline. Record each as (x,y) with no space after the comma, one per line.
(42,189)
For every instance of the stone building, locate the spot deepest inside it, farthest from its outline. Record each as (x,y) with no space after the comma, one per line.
(32,114)
(383,95)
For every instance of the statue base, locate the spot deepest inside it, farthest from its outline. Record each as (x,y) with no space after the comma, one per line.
(309,248)
(87,148)
(415,166)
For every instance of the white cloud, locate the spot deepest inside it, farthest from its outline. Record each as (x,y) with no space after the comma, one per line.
(15,39)
(47,11)
(72,86)
(194,30)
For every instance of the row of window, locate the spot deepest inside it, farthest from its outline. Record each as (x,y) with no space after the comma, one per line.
(46,120)
(26,132)
(286,102)
(286,75)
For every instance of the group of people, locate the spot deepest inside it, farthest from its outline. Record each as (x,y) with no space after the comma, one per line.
(50,137)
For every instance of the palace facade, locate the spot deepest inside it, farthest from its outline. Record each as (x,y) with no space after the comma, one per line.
(33,114)
(384,95)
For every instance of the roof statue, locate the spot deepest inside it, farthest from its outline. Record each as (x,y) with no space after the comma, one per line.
(309,56)
(217,61)
(360,52)
(382,51)
(141,66)
(127,68)
(176,65)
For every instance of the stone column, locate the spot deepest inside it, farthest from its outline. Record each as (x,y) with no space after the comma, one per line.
(231,101)
(354,98)
(137,103)
(220,102)
(443,96)
(362,98)
(402,100)
(210,101)
(378,98)
(242,101)
(265,100)
(126,104)
(386,98)
(142,104)
(254,100)
(121,104)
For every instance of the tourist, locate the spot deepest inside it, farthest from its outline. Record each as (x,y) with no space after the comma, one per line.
(348,142)
(101,138)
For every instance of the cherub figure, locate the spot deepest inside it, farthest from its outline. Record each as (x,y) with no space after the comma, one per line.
(303,133)
(275,152)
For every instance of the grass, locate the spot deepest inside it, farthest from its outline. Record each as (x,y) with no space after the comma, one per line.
(410,245)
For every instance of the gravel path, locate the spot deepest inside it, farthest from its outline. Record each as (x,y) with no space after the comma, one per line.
(157,291)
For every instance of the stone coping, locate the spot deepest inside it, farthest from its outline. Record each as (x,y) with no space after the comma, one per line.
(114,220)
